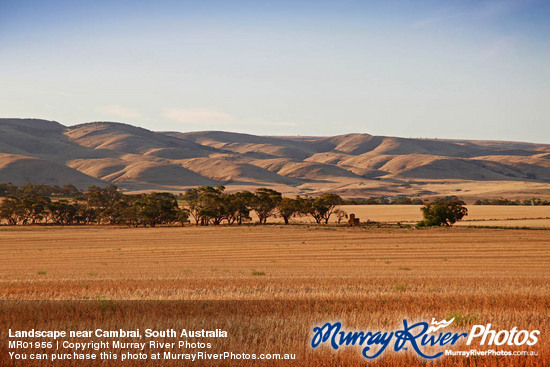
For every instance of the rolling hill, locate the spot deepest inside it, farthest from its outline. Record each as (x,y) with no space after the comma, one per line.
(354,165)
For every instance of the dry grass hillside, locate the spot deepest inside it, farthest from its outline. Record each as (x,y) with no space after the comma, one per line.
(353,165)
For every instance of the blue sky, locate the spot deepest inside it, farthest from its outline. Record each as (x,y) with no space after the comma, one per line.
(445,69)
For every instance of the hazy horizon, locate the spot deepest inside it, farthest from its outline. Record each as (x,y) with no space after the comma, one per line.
(473,70)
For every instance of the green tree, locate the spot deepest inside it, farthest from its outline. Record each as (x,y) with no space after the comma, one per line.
(212,206)
(182,216)
(71,191)
(442,212)
(242,201)
(206,204)
(12,210)
(288,208)
(191,198)
(62,212)
(323,207)
(340,214)
(157,208)
(34,207)
(8,189)
(265,203)
(107,202)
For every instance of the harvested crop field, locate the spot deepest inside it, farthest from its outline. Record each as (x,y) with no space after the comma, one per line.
(478,215)
(218,262)
(270,285)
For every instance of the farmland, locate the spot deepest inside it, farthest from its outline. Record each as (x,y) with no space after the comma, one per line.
(257,279)
(144,263)
(478,215)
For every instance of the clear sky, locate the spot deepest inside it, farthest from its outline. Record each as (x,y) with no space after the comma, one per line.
(445,69)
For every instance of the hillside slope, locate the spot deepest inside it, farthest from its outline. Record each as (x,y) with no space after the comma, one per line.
(134,158)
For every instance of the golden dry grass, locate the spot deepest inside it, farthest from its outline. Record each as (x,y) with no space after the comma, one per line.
(478,215)
(412,213)
(269,285)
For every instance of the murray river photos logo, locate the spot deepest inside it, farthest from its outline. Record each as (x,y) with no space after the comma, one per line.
(417,337)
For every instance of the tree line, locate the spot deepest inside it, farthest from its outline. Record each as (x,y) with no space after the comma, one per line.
(502,201)
(385,200)
(205,205)
(68,190)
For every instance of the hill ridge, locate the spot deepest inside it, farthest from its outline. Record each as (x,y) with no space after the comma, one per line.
(137,158)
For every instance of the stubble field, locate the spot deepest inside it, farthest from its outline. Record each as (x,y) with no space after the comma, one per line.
(268,286)
(478,215)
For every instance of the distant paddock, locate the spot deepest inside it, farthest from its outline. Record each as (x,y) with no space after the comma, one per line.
(478,215)
(486,215)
